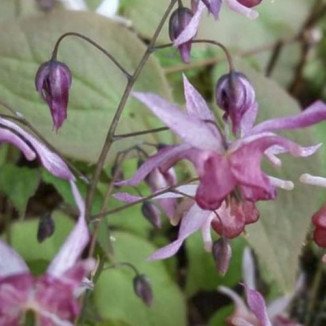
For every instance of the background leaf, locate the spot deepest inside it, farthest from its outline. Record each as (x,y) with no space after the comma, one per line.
(19,184)
(97,84)
(281,231)
(114,296)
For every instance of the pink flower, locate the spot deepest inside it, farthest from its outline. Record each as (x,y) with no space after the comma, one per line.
(228,221)
(53,296)
(225,167)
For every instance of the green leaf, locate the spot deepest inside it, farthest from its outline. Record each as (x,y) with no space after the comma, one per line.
(19,184)
(114,296)
(219,318)
(64,189)
(202,274)
(281,231)
(97,84)
(24,241)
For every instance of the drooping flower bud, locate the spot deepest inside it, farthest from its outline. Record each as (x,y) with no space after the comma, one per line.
(179,19)
(52,81)
(222,253)
(143,289)
(235,95)
(319,221)
(151,213)
(250,3)
(45,228)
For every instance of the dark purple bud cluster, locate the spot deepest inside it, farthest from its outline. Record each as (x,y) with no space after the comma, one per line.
(179,19)
(52,81)
(143,289)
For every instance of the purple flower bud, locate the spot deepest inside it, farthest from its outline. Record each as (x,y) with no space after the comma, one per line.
(235,95)
(45,228)
(52,81)
(143,289)
(152,214)
(250,3)
(222,253)
(179,19)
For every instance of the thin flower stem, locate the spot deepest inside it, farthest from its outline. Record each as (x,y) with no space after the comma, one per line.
(109,137)
(215,60)
(97,217)
(123,264)
(218,44)
(17,116)
(139,133)
(87,39)
(118,162)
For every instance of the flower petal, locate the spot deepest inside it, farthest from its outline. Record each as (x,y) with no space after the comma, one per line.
(7,136)
(189,128)
(195,103)
(216,179)
(75,243)
(251,151)
(257,305)
(191,29)
(313,114)
(248,120)
(248,268)
(155,161)
(108,8)
(51,161)
(243,10)
(191,222)
(11,263)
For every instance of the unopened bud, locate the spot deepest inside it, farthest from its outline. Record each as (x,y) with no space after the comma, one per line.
(143,289)
(151,213)
(52,81)
(250,3)
(179,19)
(222,253)
(235,95)
(45,228)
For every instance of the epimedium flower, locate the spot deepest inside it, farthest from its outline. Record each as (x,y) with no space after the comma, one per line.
(225,167)
(53,81)
(51,297)
(228,221)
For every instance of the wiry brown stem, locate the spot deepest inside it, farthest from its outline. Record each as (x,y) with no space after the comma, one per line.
(110,134)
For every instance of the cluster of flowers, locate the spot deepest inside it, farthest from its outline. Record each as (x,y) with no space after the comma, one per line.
(228,166)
